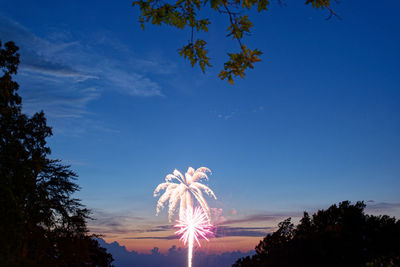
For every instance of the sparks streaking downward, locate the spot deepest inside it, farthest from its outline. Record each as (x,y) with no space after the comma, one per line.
(187,186)
(192,226)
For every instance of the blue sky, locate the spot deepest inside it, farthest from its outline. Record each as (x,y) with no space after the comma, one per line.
(316,122)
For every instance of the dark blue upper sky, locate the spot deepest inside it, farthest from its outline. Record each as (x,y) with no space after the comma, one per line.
(316,122)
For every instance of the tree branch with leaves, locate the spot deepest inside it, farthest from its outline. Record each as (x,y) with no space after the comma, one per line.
(185,14)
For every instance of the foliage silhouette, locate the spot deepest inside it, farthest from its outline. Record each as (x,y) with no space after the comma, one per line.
(339,236)
(41,224)
(188,13)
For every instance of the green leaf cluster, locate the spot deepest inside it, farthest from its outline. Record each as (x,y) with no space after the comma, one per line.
(183,14)
(239,27)
(239,62)
(261,4)
(179,15)
(319,3)
(196,53)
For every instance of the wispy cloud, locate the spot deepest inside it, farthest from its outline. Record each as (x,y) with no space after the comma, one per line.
(170,237)
(38,55)
(226,116)
(257,218)
(57,104)
(382,207)
(62,76)
(258,109)
(133,84)
(113,222)
(225,231)
(159,228)
(47,68)
(218,232)
(237,112)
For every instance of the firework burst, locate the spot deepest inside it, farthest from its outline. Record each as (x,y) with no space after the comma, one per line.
(193,226)
(182,191)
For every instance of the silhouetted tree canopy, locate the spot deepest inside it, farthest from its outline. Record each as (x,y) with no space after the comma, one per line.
(340,236)
(41,224)
(183,14)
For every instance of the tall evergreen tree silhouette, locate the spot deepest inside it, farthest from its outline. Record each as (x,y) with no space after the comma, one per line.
(41,224)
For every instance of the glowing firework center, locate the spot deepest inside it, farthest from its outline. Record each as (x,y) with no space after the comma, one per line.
(194,222)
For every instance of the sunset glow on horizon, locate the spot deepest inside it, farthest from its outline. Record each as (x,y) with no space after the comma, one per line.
(215,245)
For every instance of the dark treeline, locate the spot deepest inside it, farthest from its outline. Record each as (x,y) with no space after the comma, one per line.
(41,224)
(340,236)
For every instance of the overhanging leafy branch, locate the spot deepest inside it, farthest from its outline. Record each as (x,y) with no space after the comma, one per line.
(185,14)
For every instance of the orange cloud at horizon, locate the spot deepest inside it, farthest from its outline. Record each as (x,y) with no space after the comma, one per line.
(215,245)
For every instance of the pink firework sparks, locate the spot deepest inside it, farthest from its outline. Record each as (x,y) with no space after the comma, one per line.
(192,226)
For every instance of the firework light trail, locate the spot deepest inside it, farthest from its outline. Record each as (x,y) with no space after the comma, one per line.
(193,223)
(193,226)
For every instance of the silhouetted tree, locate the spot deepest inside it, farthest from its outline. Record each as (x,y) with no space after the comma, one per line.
(339,236)
(183,14)
(41,224)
